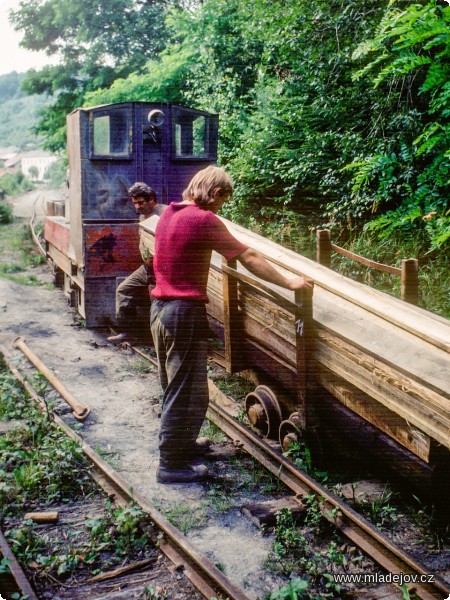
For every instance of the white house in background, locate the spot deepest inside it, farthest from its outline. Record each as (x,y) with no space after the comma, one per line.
(36,161)
(33,164)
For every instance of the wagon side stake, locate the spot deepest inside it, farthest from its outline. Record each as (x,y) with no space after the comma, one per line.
(80,410)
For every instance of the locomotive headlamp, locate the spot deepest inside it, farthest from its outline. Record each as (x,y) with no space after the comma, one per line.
(156,118)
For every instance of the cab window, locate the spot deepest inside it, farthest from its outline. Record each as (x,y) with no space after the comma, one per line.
(191,135)
(111,134)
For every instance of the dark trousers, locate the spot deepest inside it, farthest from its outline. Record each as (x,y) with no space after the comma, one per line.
(134,291)
(180,331)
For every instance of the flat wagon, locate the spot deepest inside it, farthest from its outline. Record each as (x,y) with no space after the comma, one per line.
(346,360)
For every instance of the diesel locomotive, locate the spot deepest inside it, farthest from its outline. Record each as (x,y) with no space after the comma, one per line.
(94,244)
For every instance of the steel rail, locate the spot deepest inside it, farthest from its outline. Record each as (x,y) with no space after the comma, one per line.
(353,526)
(32,228)
(21,582)
(203,574)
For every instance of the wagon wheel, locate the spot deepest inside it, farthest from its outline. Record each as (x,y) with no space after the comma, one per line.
(263,411)
(290,432)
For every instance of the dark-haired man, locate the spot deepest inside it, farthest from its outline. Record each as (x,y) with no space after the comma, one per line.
(135,290)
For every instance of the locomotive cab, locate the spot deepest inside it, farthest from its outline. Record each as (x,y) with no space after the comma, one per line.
(110,147)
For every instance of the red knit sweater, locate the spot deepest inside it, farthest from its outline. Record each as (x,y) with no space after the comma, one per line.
(184,239)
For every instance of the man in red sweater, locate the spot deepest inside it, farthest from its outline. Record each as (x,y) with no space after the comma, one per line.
(186,234)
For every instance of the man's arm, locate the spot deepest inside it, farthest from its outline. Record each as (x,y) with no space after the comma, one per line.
(258,265)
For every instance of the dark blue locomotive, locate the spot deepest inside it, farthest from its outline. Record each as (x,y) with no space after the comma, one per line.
(95,243)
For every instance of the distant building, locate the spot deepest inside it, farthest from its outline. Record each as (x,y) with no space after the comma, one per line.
(13,163)
(33,164)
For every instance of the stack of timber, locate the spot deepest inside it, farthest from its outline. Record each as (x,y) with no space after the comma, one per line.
(381,360)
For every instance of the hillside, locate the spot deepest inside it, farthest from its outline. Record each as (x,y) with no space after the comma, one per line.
(18,113)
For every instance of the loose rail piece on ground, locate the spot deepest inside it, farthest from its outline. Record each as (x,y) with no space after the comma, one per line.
(80,410)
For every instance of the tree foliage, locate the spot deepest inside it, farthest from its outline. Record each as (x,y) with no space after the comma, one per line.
(12,184)
(92,44)
(334,106)
(411,54)
(10,86)
(18,113)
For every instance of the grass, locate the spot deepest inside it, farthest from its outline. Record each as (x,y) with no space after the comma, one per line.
(233,385)
(19,254)
(289,229)
(219,498)
(141,366)
(435,532)
(250,476)
(184,517)
(380,510)
(434,270)
(109,455)
(39,464)
(211,431)
(298,234)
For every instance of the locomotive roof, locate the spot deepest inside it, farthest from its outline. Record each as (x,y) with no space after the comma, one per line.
(155,103)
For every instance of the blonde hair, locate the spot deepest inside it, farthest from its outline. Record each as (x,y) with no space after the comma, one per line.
(202,186)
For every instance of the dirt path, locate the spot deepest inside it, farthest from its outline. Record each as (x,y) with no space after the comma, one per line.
(34,202)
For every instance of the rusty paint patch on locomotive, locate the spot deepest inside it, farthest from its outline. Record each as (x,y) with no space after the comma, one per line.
(111,250)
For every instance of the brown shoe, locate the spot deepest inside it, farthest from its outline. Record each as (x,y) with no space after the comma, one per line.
(188,474)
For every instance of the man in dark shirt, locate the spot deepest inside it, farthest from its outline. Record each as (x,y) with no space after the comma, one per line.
(185,236)
(135,290)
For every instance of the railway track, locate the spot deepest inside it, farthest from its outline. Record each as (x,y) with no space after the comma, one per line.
(355,527)
(201,571)
(203,574)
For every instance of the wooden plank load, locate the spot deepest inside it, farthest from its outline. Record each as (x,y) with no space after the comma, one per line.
(385,360)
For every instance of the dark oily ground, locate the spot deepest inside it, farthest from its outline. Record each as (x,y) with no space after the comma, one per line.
(123,421)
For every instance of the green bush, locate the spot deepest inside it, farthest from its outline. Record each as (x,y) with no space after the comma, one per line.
(56,174)
(6,212)
(13,184)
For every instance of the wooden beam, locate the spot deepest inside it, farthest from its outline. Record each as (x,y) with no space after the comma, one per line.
(342,424)
(410,280)
(231,317)
(428,326)
(432,419)
(373,412)
(304,356)
(323,247)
